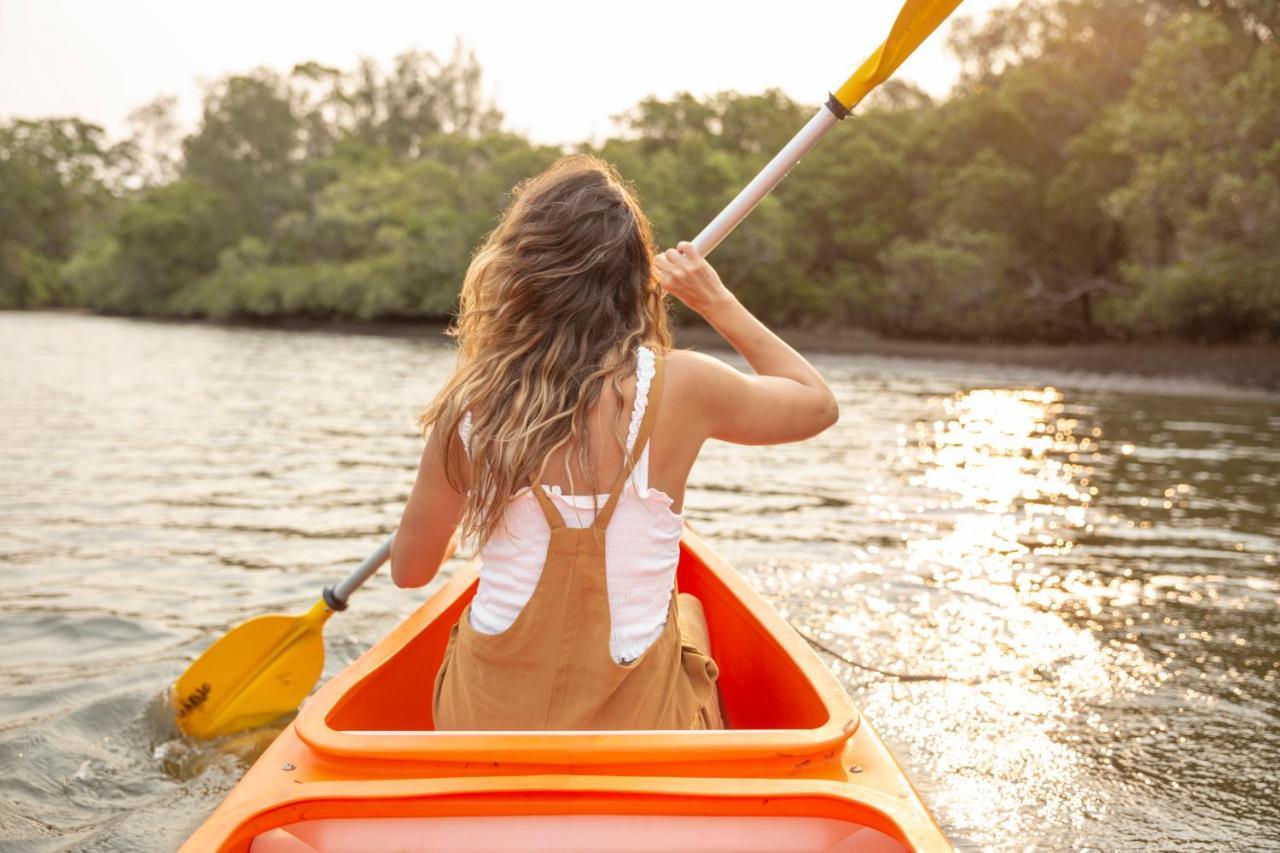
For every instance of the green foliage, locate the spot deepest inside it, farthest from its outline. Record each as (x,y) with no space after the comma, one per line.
(1227,294)
(385,239)
(952,285)
(160,244)
(1201,207)
(28,279)
(247,148)
(1102,169)
(53,179)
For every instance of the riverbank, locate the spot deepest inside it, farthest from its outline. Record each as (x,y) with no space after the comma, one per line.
(1254,366)
(1240,365)
(1251,366)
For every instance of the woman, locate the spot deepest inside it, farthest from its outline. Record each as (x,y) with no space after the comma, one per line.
(562,443)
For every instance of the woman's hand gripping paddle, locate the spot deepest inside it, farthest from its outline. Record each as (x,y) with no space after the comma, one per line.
(263,668)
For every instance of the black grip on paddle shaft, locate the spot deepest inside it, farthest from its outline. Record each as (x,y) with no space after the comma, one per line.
(332,601)
(839,110)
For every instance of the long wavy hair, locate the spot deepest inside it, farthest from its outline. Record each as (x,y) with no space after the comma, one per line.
(554,303)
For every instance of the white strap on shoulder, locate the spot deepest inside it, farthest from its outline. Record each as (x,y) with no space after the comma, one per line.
(644,376)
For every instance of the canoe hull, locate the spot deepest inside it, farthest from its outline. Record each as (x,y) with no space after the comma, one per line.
(362,759)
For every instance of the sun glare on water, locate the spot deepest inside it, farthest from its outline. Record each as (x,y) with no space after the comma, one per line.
(982,607)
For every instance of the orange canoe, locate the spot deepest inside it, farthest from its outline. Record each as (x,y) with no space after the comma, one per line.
(361,767)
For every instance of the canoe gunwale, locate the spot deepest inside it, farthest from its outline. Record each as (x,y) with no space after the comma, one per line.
(556,794)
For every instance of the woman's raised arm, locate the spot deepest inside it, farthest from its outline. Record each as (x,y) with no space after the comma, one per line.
(787,399)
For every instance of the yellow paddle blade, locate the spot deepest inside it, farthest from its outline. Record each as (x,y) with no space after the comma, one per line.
(915,22)
(259,671)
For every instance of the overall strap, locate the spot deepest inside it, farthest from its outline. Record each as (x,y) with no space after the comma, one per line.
(554,518)
(646,427)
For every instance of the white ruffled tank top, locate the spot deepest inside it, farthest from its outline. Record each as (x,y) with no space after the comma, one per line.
(642,546)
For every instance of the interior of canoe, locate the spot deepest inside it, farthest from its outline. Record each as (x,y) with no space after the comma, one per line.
(769,679)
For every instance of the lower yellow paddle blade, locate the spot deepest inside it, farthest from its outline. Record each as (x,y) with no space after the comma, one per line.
(259,671)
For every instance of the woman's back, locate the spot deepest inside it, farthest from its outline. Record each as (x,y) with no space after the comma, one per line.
(551,667)
(642,539)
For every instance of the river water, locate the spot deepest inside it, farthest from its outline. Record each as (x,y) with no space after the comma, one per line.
(1083,569)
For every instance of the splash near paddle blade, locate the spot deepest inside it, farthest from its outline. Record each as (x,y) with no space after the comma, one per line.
(259,671)
(915,22)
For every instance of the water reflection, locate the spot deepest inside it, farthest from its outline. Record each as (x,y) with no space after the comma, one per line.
(1045,672)
(1014,465)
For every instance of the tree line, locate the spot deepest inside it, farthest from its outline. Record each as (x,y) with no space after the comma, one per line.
(1102,169)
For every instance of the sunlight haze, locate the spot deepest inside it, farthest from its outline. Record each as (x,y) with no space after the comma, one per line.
(557,70)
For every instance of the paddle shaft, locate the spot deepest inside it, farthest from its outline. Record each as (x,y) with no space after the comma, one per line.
(337,596)
(914,23)
(768,178)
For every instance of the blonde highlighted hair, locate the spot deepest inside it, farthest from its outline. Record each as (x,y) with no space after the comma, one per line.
(553,306)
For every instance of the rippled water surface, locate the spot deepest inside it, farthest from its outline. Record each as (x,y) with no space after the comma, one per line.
(1076,576)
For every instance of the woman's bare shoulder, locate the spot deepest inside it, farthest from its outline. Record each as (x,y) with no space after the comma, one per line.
(698,368)
(706,386)
(687,359)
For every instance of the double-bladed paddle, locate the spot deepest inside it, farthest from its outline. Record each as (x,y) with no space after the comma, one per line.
(265,667)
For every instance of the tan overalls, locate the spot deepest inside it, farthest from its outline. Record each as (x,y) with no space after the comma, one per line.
(552,668)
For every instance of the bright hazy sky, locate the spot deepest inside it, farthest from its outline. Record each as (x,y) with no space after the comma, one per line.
(557,69)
